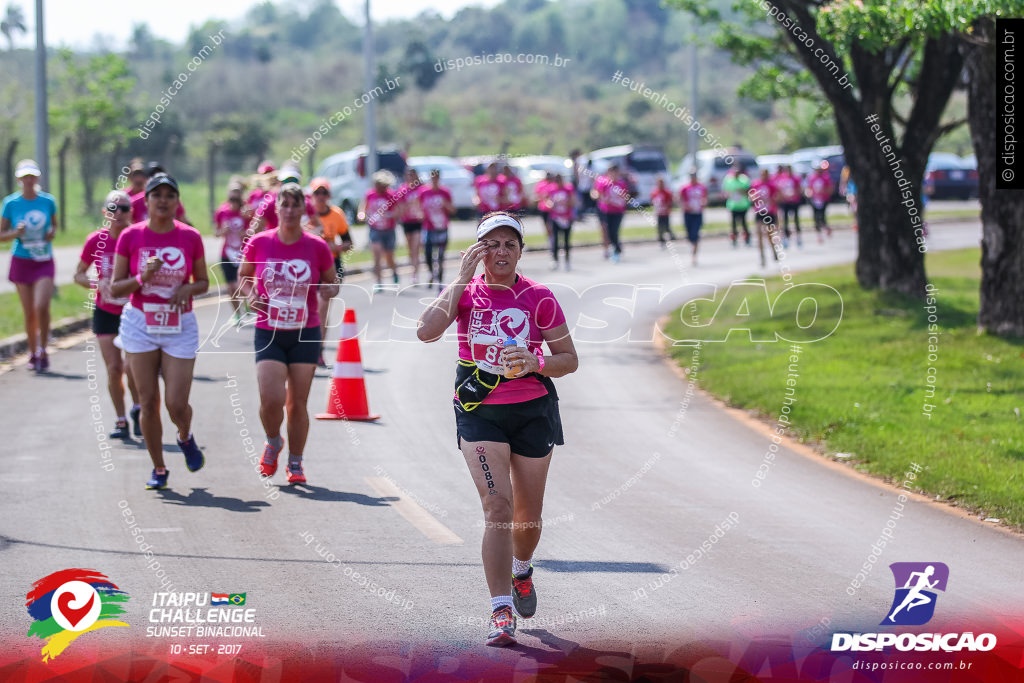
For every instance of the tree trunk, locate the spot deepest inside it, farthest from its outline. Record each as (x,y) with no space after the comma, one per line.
(1002,211)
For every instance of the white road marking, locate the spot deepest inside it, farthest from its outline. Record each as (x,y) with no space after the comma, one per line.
(425,522)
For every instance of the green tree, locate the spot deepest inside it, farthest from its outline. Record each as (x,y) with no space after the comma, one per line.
(92,108)
(973,26)
(793,58)
(12,23)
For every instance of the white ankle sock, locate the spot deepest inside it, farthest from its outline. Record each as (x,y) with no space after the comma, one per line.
(520,567)
(500,601)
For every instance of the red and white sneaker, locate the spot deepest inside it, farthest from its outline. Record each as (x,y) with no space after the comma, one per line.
(268,465)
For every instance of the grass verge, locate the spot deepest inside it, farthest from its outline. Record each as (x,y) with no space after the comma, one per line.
(862,391)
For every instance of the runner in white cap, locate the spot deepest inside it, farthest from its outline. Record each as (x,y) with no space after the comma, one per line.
(506,407)
(29,217)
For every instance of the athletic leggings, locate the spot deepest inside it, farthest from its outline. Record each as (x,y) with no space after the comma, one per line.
(564,233)
(819,217)
(787,209)
(740,217)
(614,223)
(435,239)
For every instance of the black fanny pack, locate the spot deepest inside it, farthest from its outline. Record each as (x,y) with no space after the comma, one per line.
(473,385)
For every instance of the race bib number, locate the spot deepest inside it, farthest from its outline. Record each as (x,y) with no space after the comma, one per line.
(37,251)
(437,218)
(287,314)
(487,353)
(161,319)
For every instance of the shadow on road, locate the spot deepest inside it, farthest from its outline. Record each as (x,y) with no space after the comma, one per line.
(325,494)
(611,567)
(53,374)
(203,498)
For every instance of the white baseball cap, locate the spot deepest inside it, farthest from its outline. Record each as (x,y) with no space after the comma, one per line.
(493,222)
(26,167)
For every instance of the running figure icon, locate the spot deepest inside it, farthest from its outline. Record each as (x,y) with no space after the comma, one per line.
(916,597)
(917,585)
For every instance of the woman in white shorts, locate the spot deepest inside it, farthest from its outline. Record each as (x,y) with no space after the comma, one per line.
(162,265)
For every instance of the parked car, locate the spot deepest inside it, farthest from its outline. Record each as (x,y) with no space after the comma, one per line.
(641,164)
(453,176)
(531,170)
(712,165)
(806,160)
(950,177)
(346,172)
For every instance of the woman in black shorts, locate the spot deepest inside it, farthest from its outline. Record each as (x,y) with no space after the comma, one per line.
(506,407)
(283,272)
(98,252)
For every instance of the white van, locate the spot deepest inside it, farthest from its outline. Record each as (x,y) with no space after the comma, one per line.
(712,165)
(642,164)
(346,172)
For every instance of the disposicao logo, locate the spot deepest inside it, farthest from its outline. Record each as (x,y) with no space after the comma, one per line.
(916,582)
(914,605)
(68,603)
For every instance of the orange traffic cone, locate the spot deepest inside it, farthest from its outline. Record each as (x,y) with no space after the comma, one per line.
(346,399)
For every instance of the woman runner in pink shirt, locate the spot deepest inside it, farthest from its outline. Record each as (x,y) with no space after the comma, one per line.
(506,406)
(284,272)
(161,263)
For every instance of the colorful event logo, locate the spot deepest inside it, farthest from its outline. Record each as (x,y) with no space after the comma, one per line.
(914,603)
(68,603)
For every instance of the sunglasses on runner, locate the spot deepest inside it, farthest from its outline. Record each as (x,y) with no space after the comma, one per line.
(321,192)
(511,245)
(118,207)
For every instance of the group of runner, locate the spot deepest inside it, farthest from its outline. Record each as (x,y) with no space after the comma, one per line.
(771,194)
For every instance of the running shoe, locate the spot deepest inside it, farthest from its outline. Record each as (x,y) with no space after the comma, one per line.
(158,481)
(136,424)
(800,241)
(33,362)
(503,627)
(320,362)
(236,319)
(524,598)
(415,279)
(120,430)
(554,265)
(395,277)
(616,257)
(295,474)
(194,459)
(828,231)
(268,465)
(43,363)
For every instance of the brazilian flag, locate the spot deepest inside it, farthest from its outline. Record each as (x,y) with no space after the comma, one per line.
(237,599)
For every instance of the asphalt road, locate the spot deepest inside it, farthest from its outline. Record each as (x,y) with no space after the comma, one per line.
(646,476)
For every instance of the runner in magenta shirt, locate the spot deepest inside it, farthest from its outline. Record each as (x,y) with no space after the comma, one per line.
(98,253)
(490,190)
(763,197)
(437,211)
(229,222)
(615,195)
(694,197)
(819,191)
(661,200)
(379,208)
(543,191)
(411,217)
(513,190)
(506,406)
(562,196)
(283,273)
(790,195)
(162,264)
